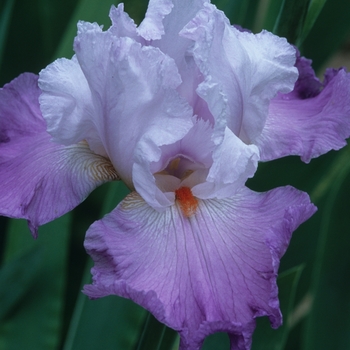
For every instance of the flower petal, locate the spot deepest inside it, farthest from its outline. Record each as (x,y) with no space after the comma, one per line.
(152,28)
(67,106)
(212,171)
(310,121)
(163,22)
(213,271)
(133,94)
(122,24)
(233,163)
(41,180)
(242,71)
(195,146)
(307,85)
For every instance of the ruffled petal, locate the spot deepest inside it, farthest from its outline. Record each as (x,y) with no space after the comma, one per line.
(122,24)
(67,106)
(310,121)
(41,180)
(152,28)
(132,91)
(233,163)
(211,171)
(162,25)
(307,85)
(196,147)
(213,271)
(242,71)
(163,22)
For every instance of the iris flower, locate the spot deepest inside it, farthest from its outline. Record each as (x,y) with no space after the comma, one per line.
(181,108)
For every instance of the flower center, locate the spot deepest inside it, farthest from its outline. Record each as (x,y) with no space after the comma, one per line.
(188,203)
(179,167)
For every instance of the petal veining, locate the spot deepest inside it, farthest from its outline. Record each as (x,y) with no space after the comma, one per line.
(41,180)
(212,271)
(310,121)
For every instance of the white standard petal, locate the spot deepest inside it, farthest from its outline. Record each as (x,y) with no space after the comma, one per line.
(242,71)
(124,91)
(233,163)
(152,28)
(67,106)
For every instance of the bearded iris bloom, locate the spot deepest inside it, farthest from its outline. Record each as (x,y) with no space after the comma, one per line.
(181,109)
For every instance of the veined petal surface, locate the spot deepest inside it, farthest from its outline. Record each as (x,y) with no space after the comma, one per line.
(41,180)
(213,271)
(311,120)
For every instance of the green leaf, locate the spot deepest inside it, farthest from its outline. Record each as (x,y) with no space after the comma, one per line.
(38,316)
(267,14)
(266,338)
(291,19)
(157,336)
(16,281)
(330,30)
(216,341)
(5,17)
(107,323)
(328,324)
(240,12)
(110,322)
(314,10)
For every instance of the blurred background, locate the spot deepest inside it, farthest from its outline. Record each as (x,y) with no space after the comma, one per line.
(41,306)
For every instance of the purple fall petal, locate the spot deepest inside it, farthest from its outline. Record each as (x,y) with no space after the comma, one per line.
(40,180)
(311,120)
(307,85)
(214,271)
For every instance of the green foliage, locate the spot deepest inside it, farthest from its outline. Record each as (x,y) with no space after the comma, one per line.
(5,16)
(328,32)
(314,10)
(291,18)
(36,318)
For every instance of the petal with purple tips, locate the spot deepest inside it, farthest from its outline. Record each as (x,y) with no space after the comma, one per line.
(213,271)
(309,122)
(41,180)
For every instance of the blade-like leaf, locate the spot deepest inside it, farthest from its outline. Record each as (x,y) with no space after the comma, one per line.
(314,10)
(37,317)
(240,12)
(328,325)
(16,281)
(5,17)
(156,335)
(291,19)
(330,30)
(110,322)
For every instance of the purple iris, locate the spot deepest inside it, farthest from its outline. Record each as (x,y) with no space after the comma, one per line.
(181,109)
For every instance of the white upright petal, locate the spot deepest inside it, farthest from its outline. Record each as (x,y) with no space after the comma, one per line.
(242,71)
